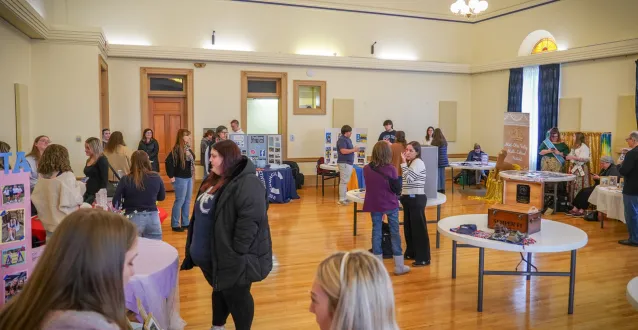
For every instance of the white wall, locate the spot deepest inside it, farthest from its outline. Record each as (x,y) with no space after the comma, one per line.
(409,99)
(266,28)
(573,23)
(15,67)
(489,102)
(65,96)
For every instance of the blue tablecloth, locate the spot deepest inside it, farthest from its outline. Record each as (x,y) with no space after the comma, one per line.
(279,183)
(362,182)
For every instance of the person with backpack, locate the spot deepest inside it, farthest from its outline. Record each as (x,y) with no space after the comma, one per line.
(383,184)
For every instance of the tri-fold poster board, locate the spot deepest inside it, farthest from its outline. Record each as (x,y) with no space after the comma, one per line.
(261,149)
(359,140)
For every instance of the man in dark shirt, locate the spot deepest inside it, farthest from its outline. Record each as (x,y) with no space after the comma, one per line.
(389,134)
(629,170)
(345,160)
(106,135)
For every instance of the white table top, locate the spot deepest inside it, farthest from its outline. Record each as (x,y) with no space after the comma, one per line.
(553,237)
(473,165)
(329,167)
(537,176)
(356,196)
(632,292)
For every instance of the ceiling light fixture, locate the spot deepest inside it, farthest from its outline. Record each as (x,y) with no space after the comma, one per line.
(469,9)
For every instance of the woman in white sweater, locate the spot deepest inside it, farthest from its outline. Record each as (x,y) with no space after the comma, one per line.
(57,193)
(579,166)
(413,200)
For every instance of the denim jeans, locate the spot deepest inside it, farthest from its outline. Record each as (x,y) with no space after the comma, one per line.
(148,224)
(377,235)
(183,192)
(631,216)
(441,183)
(345,172)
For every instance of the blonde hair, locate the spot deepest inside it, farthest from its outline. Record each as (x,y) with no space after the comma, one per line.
(359,291)
(95,145)
(81,269)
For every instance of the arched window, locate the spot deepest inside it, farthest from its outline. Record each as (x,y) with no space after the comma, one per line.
(545,45)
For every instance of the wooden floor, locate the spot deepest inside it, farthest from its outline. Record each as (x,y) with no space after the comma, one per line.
(307,230)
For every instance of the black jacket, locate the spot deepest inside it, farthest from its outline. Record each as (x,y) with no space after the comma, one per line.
(174,168)
(241,245)
(629,169)
(152,149)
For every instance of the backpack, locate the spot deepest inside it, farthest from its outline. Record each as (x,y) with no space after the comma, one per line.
(296,173)
(386,241)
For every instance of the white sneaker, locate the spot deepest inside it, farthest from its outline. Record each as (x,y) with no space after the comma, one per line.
(223,327)
(343,203)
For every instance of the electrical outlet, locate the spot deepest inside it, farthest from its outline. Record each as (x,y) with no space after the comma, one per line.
(292,138)
(78,139)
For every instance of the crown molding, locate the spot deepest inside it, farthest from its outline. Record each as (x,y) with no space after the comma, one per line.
(24,17)
(593,52)
(169,53)
(79,36)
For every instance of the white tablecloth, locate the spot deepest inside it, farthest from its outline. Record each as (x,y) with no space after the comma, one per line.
(609,201)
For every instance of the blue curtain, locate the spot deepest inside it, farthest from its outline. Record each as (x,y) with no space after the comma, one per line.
(548,88)
(515,93)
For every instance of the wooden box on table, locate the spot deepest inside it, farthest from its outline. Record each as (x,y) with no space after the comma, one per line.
(523,193)
(525,219)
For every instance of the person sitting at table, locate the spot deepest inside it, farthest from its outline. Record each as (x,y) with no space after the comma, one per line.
(579,157)
(352,290)
(380,200)
(138,194)
(79,281)
(553,151)
(475,155)
(57,193)
(414,200)
(229,236)
(580,202)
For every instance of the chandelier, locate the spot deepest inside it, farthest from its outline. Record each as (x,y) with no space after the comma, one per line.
(471,8)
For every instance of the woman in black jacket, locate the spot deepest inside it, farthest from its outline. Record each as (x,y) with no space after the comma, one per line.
(149,145)
(229,236)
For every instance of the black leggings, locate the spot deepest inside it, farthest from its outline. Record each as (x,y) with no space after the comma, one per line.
(581,200)
(414,227)
(236,301)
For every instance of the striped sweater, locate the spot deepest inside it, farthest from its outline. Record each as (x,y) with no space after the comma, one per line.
(413,178)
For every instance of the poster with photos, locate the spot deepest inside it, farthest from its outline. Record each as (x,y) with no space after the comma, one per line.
(240,141)
(360,141)
(258,149)
(15,229)
(13,284)
(274,150)
(331,136)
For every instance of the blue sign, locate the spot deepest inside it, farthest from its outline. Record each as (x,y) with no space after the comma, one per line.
(21,162)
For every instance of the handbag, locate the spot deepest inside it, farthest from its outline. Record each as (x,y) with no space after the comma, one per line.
(395,184)
(112,186)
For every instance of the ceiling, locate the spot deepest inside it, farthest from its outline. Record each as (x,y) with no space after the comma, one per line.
(433,9)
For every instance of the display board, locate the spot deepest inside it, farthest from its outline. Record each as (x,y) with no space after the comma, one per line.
(15,243)
(516,138)
(261,149)
(359,140)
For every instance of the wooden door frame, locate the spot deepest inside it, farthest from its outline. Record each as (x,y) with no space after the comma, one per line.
(104,103)
(188,94)
(283,102)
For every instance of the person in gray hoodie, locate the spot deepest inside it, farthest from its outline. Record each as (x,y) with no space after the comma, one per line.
(79,281)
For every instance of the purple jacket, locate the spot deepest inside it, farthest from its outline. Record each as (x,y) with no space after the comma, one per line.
(379,197)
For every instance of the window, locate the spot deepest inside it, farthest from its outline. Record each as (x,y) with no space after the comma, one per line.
(262,86)
(167,84)
(544,46)
(309,97)
(530,105)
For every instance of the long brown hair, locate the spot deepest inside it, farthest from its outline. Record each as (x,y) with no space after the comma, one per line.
(116,140)
(55,158)
(381,154)
(231,155)
(417,148)
(81,270)
(400,138)
(34,149)
(140,168)
(144,135)
(438,139)
(179,149)
(579,140)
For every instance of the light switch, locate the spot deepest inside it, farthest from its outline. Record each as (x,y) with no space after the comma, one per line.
(78,139)
(292,138)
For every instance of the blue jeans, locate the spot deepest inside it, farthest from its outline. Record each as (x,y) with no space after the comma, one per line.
(148,224)
(441,183)
(377,235)
(183,191)
(631,216)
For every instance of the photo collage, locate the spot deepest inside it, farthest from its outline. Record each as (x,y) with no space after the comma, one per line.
(359,140)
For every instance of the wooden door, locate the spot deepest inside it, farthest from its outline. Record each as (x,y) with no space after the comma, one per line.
(166,117)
